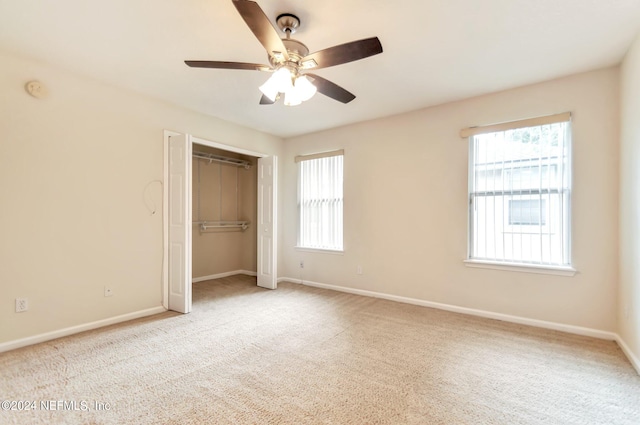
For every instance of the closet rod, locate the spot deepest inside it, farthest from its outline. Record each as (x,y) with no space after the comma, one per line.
(204,225)
(225,160)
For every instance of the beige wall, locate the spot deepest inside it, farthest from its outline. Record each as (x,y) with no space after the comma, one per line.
(73,218)
(629,292)
(224,193)
(406,206)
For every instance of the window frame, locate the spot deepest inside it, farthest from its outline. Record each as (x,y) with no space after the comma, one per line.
(564,197)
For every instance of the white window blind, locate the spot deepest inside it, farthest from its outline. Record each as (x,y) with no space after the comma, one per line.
(320,201)
(519,192)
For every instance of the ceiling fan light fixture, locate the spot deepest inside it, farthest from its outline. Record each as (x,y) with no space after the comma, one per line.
(294,94)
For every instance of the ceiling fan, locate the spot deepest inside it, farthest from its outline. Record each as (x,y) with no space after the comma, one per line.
(290,61)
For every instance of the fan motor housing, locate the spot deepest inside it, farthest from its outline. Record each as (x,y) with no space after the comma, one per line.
(296,50)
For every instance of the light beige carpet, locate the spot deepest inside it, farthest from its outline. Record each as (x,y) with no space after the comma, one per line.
(301,355)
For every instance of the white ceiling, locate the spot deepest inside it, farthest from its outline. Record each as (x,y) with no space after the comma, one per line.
(435,51)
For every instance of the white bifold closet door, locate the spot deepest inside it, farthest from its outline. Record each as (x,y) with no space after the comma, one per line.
(179,190)
(267,243)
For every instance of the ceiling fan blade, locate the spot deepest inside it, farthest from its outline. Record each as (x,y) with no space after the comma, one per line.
(331,90)
(262,28)
(228,65)
(264,100)
(343,53)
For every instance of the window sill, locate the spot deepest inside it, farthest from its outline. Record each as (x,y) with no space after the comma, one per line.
(519,267)
(320,251)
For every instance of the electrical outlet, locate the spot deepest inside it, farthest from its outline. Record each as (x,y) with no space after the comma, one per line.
(302,264)
(359,270)
(108,291)
(22,304)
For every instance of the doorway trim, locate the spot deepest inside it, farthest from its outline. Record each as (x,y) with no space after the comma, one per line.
(165,201)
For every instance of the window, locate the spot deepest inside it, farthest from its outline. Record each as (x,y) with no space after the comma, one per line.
(519,193)
(320,200)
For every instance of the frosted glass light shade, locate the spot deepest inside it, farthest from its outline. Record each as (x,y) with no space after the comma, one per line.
(279,82)
(269,90)
(292,97)
(282,79)
(304,88)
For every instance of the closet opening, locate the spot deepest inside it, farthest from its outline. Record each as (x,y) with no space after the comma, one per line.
(224,213)
(219,214)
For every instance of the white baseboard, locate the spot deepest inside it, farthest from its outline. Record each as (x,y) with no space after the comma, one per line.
(578,330)
(18,343)
(627,352)
(221,275)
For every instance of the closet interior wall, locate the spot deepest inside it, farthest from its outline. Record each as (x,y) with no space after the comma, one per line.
(223,192)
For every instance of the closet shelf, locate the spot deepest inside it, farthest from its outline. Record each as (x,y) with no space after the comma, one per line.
(223,159)
(206,225)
